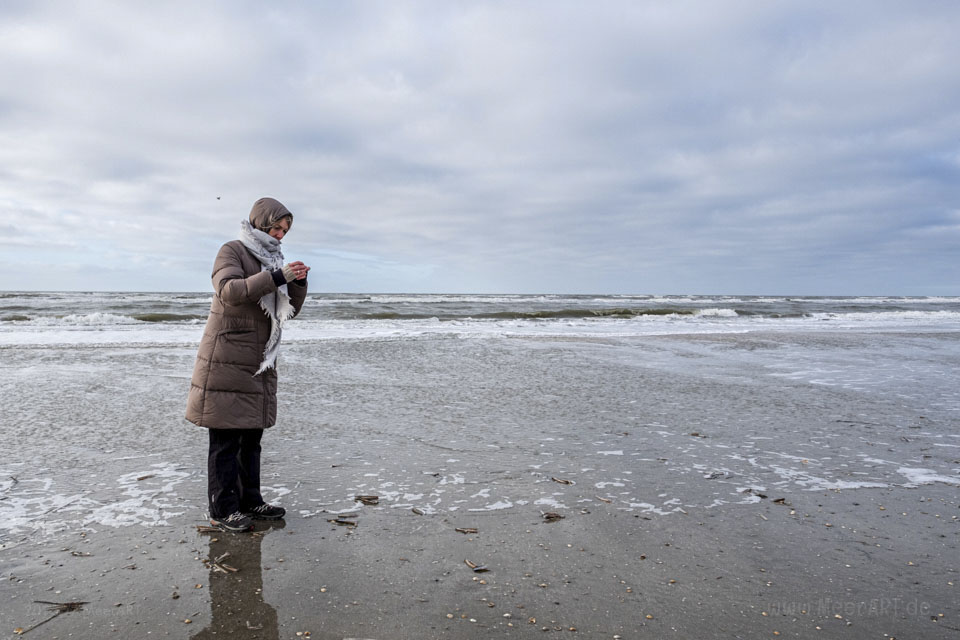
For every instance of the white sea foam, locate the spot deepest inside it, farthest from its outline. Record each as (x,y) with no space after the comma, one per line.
(149,498)
(89,320)
(846,484)
(718,313)
(549,502)
(811,482)
(916,477)
(646,507)
(275,492)
(496,506)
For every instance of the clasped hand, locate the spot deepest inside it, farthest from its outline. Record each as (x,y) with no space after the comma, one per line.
(297,270)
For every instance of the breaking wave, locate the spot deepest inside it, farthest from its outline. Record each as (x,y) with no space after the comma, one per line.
(103,319)
(545,314)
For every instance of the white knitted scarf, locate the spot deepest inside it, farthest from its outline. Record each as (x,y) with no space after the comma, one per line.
(275,304)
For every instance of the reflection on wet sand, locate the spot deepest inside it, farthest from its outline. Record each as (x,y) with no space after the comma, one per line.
(236,597)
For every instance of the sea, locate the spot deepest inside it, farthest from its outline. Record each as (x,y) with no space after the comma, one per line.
(36,318)
(474,404)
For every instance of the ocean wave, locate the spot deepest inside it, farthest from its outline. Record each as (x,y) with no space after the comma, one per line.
(319,327)
(168,317)
(538,314)
(98,319)
(894,315)
(867,300)
(88,319)
(171,298)
(719,313)
(426,299)
(612,314)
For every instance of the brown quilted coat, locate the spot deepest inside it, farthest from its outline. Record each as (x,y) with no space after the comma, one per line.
(224,392)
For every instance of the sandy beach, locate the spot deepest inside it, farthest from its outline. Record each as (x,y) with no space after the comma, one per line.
(660,486)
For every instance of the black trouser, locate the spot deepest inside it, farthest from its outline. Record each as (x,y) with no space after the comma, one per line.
(233,471)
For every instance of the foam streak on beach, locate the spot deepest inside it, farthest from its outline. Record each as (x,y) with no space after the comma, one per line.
(634,466)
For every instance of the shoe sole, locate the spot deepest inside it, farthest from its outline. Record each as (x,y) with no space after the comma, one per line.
(227,527)
(269,518)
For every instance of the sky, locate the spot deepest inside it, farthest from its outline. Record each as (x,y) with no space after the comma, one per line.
(683,147)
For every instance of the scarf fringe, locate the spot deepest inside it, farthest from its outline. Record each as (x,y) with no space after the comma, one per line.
(276,329)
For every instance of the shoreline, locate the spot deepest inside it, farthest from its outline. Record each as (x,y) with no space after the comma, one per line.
(732,509)
(836,566)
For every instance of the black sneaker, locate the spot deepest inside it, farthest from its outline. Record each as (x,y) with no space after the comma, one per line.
(265,512)
(234,522)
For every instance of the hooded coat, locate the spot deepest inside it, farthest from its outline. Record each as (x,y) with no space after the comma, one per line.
(225,393)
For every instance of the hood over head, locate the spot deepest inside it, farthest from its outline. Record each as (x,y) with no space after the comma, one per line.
(266,212)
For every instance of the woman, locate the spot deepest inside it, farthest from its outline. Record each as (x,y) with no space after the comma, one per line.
(233,391)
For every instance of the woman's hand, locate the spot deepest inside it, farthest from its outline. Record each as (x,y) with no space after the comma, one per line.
(295,271)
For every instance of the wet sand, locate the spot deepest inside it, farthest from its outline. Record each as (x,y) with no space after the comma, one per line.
(700,495)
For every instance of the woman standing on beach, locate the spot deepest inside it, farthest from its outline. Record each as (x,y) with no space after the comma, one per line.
(233,391)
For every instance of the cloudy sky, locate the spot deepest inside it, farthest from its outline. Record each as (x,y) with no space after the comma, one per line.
(545,146)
